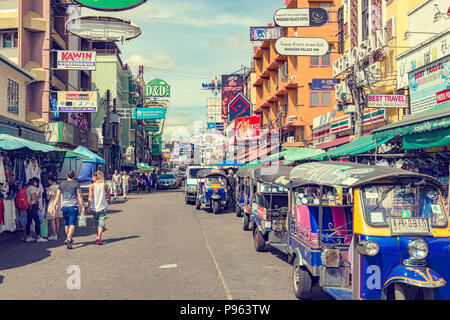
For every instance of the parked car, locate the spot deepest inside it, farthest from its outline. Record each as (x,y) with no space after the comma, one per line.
(167,180)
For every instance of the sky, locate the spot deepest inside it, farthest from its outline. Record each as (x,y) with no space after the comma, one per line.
(187,42)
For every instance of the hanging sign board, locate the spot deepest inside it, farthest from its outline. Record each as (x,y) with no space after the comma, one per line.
(77,101)
(387,101)
(76,60)
(324,84)
(292,46)
(157,88)
(301,17)
(149,113)
(110,5)
(265,33)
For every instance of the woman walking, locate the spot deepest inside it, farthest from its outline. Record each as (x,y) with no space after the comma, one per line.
(33,196)
(125,184)
(53,216)
(97,202)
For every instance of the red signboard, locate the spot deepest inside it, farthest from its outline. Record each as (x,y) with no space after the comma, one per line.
(443,96)
(248,128)
(231,86)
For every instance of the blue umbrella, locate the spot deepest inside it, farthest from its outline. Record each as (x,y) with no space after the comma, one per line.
(231,163)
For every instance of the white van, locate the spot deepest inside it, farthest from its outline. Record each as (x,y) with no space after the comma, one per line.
(190,189)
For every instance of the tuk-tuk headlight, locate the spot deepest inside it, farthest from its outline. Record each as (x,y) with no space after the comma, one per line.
(368,248)
(418,249)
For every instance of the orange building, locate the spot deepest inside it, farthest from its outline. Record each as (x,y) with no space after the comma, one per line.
(284,96)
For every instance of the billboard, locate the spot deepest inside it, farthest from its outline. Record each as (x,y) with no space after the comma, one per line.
(239,107)
(76,60)
(264,33)
(232,85)
(248,128)
(387,101)
(428,83)
(76,101)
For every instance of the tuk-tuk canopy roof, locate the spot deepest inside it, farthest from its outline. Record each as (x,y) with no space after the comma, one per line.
(208,172)
(245,172)
(277,175)
(347,174)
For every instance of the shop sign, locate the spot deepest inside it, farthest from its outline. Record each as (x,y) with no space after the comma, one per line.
(157,89)
(365,49)
(301,17)
(215,85)
(211,125)
(110,5)
(239,107)
(324,84)
(149,113)
(387,101)
(76,60)
(428,52)
(77,101)
(443,96)
(428,83)
(291,46)
(374,116)
(265,33)
(341,124)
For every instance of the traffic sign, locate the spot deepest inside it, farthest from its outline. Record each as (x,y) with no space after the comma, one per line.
(239,107)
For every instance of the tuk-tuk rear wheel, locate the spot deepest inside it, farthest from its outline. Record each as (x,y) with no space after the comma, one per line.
(302,281)
(245,222)
(258,240)
(197,204)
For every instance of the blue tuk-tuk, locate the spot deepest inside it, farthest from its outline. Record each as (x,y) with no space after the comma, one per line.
(270,205)
(212,190)
(367,233)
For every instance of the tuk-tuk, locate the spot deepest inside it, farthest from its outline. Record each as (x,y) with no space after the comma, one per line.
(212,190)
(270,205)
(246,186)
(367,232)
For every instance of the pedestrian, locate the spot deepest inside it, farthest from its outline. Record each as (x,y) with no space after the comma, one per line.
(231,179)
(54,216)
(69,193)
(97,203)
(148,180)
(117,179)
(125,184)
(33,196)
(154,179)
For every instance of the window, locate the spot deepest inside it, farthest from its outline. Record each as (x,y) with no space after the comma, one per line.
(268,85)
(320,98)
(9,40)
(327,7)
(276,79)
(13,97)
(324,60)
(365,19)
(286,105)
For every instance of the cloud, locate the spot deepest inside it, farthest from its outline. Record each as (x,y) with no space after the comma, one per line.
(158,60)
(236,41)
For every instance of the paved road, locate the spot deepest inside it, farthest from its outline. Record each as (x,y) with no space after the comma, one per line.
(156,247)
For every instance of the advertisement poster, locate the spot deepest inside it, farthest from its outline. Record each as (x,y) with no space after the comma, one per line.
(248,128)
(76,60)
(231,86)
(427,82)
(77,101)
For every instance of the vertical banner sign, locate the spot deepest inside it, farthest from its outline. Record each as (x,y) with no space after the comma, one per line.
(232,85)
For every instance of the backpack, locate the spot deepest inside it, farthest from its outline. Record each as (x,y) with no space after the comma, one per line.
(21,200)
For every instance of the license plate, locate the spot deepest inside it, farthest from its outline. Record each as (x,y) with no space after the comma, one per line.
(410,226)
(215,186)
(267,224)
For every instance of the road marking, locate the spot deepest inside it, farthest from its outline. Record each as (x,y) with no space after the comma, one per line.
(219,272)
(168,266)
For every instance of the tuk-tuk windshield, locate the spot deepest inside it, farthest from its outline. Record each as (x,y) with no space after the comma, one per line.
(216,180)
(265,187)
(393,201)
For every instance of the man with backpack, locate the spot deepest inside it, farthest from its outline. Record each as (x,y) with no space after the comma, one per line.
(69,192)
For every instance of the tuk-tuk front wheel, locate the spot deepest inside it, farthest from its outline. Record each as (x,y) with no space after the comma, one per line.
(302,281)
(215,207)
(197,204)
(258,240)
(403,291)
(238,211)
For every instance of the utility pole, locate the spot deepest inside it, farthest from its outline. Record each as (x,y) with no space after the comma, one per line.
(357,92)
(106,133)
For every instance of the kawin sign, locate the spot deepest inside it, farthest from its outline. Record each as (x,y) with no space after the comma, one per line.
(110,5)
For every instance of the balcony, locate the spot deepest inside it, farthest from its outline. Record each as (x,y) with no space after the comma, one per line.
(34,22)
(9,20)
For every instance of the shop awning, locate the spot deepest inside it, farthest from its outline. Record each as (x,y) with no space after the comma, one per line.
(360,145)
(293,154)
(8,142)
(334,143)
(436,118)
(432,139)
(91,155)
(254,163)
